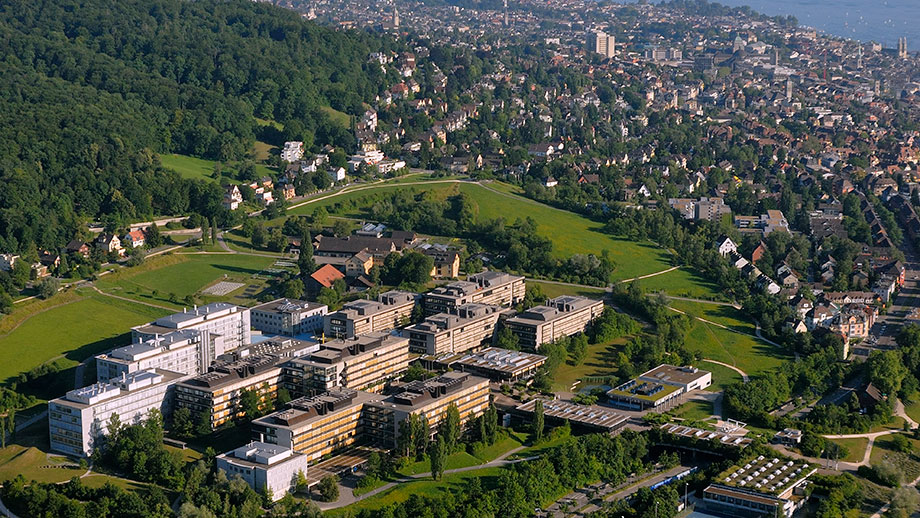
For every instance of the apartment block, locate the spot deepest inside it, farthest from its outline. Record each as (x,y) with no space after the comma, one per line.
(288,317)
(187,352)
(217,393)
(80,418)
(368,316)
(561,316)
(228,321)
(264,466)
(494,288)
(431,398)
(470,328)
(365,362)
(317,426)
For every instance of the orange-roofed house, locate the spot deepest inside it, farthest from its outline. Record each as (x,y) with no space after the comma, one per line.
(324,277)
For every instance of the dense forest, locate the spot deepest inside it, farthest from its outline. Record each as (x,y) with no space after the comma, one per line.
(93,90)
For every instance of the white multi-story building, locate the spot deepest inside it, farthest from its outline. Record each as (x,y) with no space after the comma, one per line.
(79,419)
(186,352)
(292,152)
(602,43)
(288,317)
(228,321)
(264,466)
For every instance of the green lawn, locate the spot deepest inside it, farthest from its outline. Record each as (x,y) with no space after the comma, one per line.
(506,444)
(745,352)
(856,448)
(912,407)
(600,361)
(34,464)
(200,168)
(71,333)
(683,282)
(187,274)
(883,449)
(454,461)
(725,315)
(721,376)
(188,166)
(695,410)
(552,290)
(340,118)
(424,487)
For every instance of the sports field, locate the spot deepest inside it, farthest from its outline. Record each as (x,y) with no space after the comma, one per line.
(159,278)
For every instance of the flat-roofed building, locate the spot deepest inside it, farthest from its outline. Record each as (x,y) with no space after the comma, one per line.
(228,321)
(659,388)
(367,316)
(495,288)
(317,426)
(562,316)
(431,398)
(728,438)
(217,393)
(763,487)
(264,467)
(591,418)
(470,327)
(186,352)
(365,362)
(494,363)
(288,317)
(80,418)
(687,378)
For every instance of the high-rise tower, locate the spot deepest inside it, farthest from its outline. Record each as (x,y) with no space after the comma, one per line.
(902,47)
(602,43)
(395,17)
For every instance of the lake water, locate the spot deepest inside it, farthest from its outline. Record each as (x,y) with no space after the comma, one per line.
(883,21)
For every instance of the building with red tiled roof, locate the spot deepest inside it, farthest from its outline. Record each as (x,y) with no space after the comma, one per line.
(324,277)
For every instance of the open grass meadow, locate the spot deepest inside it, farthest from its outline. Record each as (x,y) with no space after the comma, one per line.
(552,290)
(721,376)
(202,169)
(745,352)
(339,118)
(422,487)
(884,449)
(68,334)
(727,316)
(187,274)
(598,362)
(683,282)
(856,448)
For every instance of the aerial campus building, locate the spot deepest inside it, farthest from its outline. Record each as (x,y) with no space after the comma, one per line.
(288,317)
(763,487)
(659,388)
(80,418)
(497,364)
(228,321)
(330,422)
(365,362)
(264,466)
(493,288)
(217,392)
(367,316)
(469,327)
(559,317)
(186,351)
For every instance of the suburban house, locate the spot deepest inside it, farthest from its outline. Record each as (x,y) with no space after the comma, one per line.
(134,239)
(110,243)
(78,247)
(232,197)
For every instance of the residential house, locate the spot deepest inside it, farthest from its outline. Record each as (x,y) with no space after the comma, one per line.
(109,243)
(134,238)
